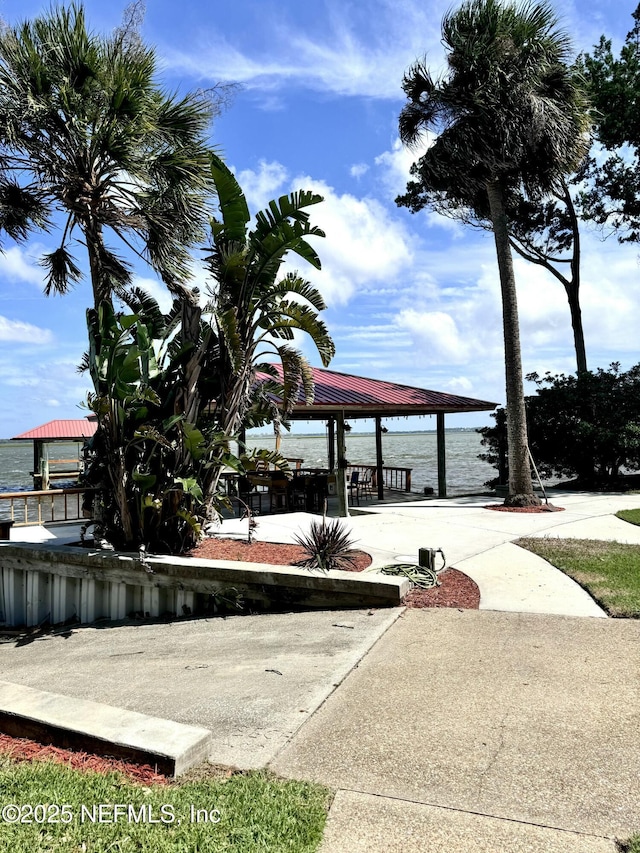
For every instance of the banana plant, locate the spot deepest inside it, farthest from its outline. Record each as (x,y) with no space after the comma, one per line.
(147,457)
(257,307)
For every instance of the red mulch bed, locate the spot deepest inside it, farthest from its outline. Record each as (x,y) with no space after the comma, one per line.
(23,749)
(541,508)
(274,553)
(455,590)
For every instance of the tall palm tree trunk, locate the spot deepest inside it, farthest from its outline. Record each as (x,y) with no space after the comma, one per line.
(520,483)
(102,287)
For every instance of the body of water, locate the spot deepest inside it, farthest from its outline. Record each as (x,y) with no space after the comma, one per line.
(465,472)
(16,463)
(416,450)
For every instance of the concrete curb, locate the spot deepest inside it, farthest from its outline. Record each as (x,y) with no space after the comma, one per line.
(69,722)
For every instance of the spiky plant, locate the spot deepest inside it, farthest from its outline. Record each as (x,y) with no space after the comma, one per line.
(328,546)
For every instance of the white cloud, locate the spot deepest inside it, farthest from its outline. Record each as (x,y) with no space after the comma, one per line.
(358,170)
(460,385)
(395,164)
(20,332)
(18,265)
(263,185)
(364,243)
(436,334)
(362,50)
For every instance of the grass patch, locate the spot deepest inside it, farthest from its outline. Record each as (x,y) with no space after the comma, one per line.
(256,812)
(630,846)
(630,515)
(609,571)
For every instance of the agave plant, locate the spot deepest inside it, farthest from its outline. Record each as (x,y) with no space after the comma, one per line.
(328,546)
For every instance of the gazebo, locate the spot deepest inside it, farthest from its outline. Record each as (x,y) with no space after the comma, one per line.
(342,396)
(51,433)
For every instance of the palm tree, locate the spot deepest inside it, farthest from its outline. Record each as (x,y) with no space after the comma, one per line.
(512,120)
(258,307)
(87,132)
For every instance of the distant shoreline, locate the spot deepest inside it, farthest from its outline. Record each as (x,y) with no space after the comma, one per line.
(299,435)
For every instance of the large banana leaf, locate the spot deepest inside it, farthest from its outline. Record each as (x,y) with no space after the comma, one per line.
(232,202)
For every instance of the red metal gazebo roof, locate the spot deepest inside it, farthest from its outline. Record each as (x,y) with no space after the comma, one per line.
(60,430)
(357,396)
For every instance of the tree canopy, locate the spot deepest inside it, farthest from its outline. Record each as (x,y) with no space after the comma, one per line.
(585,426)
(86,131)
(613,197)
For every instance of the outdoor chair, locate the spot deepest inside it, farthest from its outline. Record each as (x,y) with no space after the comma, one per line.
(298,493)
(366,484)
(249,495)
(278,498)
(354,487)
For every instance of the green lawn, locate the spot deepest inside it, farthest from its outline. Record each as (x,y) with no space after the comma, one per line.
(630,515)
(631,846)
(255,812)
(609,571)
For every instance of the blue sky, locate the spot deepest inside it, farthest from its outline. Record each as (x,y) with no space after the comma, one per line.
(412,298)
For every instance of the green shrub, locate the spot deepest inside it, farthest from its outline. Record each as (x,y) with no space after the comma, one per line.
(585,426)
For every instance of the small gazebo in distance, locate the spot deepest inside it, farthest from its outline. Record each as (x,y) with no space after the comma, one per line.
(342,396)
(54,432)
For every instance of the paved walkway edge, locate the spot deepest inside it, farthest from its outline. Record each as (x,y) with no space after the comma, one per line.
(389,622)
(358,822)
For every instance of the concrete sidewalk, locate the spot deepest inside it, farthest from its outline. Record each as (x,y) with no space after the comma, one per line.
(474,539)
(476,731)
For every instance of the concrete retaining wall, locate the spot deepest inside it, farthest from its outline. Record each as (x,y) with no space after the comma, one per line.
(52,584)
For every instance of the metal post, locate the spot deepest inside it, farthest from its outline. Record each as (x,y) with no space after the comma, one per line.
(331,439)
(442,456)
(341,473)
(379,459)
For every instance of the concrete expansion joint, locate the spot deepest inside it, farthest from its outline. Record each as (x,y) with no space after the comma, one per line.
(573,832)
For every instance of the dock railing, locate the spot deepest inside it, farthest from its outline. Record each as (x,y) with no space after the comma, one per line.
(40,507)
(398,479)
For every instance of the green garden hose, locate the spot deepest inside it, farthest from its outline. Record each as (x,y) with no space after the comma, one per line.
(419,576)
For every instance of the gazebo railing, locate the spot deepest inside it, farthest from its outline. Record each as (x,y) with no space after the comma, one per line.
(397,479)
(40,507)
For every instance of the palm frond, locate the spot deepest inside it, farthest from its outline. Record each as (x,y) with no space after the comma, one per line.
(22,209)
(287,207)
(62,271)
(300,317)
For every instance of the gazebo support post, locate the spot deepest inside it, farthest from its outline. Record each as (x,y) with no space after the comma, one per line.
(442,457)
(341,472)
(331,440)
(379,459)
(38,455)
